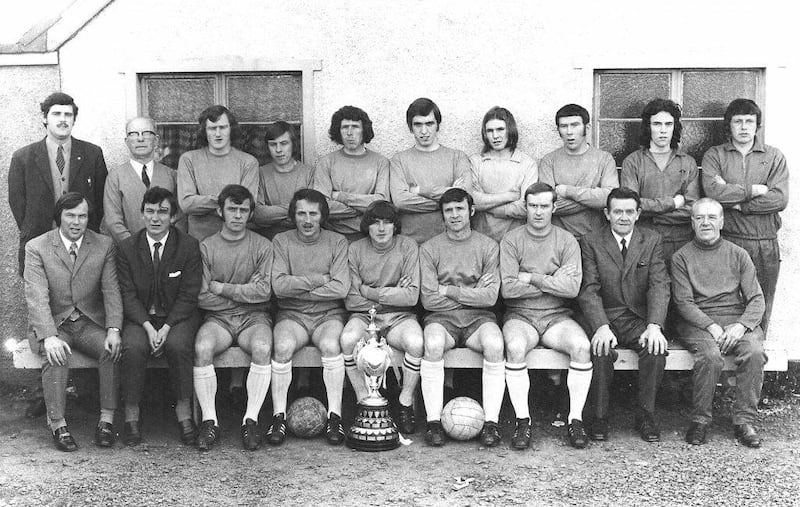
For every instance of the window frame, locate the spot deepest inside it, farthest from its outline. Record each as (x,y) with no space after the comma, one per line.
(136,102)
(676,90)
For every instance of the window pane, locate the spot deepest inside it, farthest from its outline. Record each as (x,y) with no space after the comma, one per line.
(619,138)
(625,95)
(700,135)
(179,99)
(706,94)
(174,141)
(265,98)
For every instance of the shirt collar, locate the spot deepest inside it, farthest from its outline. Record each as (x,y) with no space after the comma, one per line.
(490,155)
(138,165)
(67,242)
(618,238)
(151,242)
(52,146)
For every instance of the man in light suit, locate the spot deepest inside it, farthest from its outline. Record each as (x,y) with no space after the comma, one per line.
(127,183)
(43,171)
(160,273)
(74,301)
(624,297)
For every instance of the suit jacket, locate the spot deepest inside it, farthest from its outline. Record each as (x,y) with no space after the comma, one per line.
(179,276)
(123,195)
(30,187)
(54,287)
(611,285)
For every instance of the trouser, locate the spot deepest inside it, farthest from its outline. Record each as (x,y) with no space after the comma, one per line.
(87,337)
(178,349)
(627,328)
(749,358)
(766,256)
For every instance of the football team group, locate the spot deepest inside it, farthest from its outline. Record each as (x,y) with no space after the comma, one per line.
(493,252)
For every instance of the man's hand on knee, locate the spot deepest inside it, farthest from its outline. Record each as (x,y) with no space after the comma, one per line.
(733,333)
(56,350)
(603,341)
(653,340)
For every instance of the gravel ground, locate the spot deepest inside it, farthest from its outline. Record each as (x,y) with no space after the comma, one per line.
(622,471)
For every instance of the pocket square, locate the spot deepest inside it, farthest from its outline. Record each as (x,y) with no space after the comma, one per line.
(175,274)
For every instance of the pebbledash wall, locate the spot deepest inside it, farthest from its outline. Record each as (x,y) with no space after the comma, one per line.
(531,57)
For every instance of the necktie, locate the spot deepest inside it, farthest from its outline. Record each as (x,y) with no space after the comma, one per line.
(60,162)
(624,248)
(156,263)
(146,182)
(73,252)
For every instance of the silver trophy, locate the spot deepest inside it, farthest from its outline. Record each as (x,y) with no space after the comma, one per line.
(373,429)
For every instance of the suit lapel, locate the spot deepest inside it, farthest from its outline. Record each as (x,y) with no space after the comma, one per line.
(611,245)
(42,160)
(144,254)
(59,249)
(168,252)
(75,162)
(634,251)
(83,251)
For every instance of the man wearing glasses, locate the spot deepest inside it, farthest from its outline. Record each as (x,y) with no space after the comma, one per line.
(127,183)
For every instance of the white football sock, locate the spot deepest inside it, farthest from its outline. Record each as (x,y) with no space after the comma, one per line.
(257,388)
(281,380)
(579,379)
(411,367)
(519,386)
(333,376)
(356,378)
(205,387)
(432,381)
(494,387)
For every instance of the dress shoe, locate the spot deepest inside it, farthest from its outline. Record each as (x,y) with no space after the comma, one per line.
(599,429)
(276,434)
(334,432)
(406,419)
(490,435)
(746,435)
(251,440)
(63,440)
(696,435)
(577,435)
(647,427)
(188,432)
(522,434)
(434,434)
(131,434)
(208,435)
(36,408)
(104,434)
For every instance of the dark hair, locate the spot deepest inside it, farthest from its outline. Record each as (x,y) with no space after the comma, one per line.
(58,99)
(423,107)
(654,107)
(623,193)
(277,129)
(573,110)
(456,194)
(157,195)
(741,106)
(380,210)
(214,113)
(540,188)
(236,193)
(310,195)
(503,114)
(354,114)
(68,201)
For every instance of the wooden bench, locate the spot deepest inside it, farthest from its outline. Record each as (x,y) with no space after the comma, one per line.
(538,359)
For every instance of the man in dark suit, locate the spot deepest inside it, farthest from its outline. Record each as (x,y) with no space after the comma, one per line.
(42,172)
(624,297)
(160,273)
(74,301)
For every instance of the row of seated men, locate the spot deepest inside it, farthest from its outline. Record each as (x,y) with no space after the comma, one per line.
(79,292)
(752,176)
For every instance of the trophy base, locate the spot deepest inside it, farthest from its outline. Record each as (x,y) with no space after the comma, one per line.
(373,429)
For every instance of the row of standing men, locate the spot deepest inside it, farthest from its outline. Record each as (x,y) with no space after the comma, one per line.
(419,177)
